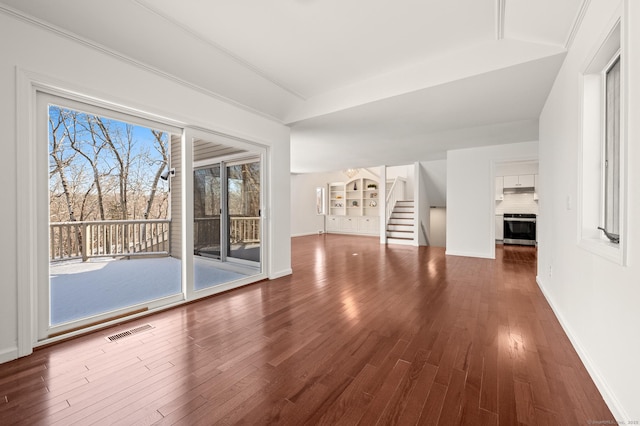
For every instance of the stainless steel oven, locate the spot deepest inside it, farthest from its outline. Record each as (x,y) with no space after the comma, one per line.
(520,228)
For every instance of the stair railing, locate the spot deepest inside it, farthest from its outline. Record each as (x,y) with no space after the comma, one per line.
(424,234)
(395,194)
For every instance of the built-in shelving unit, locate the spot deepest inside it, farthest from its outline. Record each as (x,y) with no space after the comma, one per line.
(337,199)
(354,207)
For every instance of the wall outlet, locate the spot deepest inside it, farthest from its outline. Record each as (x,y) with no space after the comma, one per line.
(550,273)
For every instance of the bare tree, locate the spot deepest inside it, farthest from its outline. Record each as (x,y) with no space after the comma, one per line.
(104,169)
(160,143)
(90,150)
(57,153)
(121,147)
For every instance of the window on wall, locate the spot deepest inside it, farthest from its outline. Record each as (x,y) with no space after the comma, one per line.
(611,164)
(602,201)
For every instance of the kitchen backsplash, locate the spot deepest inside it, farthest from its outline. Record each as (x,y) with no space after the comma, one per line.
(517,203)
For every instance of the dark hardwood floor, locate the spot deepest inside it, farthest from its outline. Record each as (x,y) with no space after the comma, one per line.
(359,334)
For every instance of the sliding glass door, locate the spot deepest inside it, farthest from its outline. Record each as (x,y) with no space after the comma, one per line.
(227,199)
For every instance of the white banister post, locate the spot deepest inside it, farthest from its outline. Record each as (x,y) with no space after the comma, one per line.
(86,238)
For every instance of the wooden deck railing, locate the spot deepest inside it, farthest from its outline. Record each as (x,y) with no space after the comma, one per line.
(241,230)
(88,239)
(244,229)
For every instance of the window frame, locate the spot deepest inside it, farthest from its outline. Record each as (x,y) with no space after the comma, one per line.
(607,175)
(591,176)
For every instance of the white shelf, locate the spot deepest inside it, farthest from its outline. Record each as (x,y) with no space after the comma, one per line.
(362,219)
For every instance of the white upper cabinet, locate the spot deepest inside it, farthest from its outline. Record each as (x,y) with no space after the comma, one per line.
(519,181)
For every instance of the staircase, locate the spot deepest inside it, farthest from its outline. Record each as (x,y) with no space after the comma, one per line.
(400,228)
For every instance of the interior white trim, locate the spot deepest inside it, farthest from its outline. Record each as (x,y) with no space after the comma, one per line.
(8,354)
(280,274)
(611,44)
(606,392)
(577,23)
(26,212)
(468,254)
(500,13)
(306,234)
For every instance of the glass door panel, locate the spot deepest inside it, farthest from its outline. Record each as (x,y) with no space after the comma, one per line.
(207,202)
(243,203)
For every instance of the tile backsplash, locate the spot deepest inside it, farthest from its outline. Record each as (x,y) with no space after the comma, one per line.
(517,203)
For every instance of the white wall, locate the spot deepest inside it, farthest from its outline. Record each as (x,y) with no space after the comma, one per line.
(422,202)
(29,48)
(513,168)
(304,220)
(471,196)
(435,174)
(438,219)
(595,299)
(407,172)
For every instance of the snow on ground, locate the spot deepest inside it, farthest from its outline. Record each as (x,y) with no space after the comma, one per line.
(83,289)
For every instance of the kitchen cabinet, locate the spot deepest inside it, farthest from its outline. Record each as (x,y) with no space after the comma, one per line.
(499,227)
(519,181)
(499,188)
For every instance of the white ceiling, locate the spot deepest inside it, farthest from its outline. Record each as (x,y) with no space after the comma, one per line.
(361,82)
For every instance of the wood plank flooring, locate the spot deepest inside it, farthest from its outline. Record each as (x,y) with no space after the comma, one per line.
(359,334)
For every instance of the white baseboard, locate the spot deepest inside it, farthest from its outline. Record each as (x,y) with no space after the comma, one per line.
(304,234)
(280,274)
(607,394)
(9,354)
(468,254)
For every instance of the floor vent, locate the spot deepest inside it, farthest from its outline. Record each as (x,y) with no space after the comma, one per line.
(128,333)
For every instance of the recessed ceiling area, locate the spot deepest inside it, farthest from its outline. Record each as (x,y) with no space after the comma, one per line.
(361,83)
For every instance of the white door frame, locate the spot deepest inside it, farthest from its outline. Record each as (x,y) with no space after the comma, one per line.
(32,251)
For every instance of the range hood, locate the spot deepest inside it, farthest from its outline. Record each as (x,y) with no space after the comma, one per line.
(519,190)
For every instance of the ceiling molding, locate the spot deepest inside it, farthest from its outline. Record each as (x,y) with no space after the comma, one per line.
(127,59)
(577,23)
(239,60)
(500,13)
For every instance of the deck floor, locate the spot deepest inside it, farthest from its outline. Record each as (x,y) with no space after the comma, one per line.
(83,289)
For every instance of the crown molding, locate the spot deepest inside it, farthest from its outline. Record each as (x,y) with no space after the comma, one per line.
(129,60)
(500,13)
(239,60)
(577,23)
